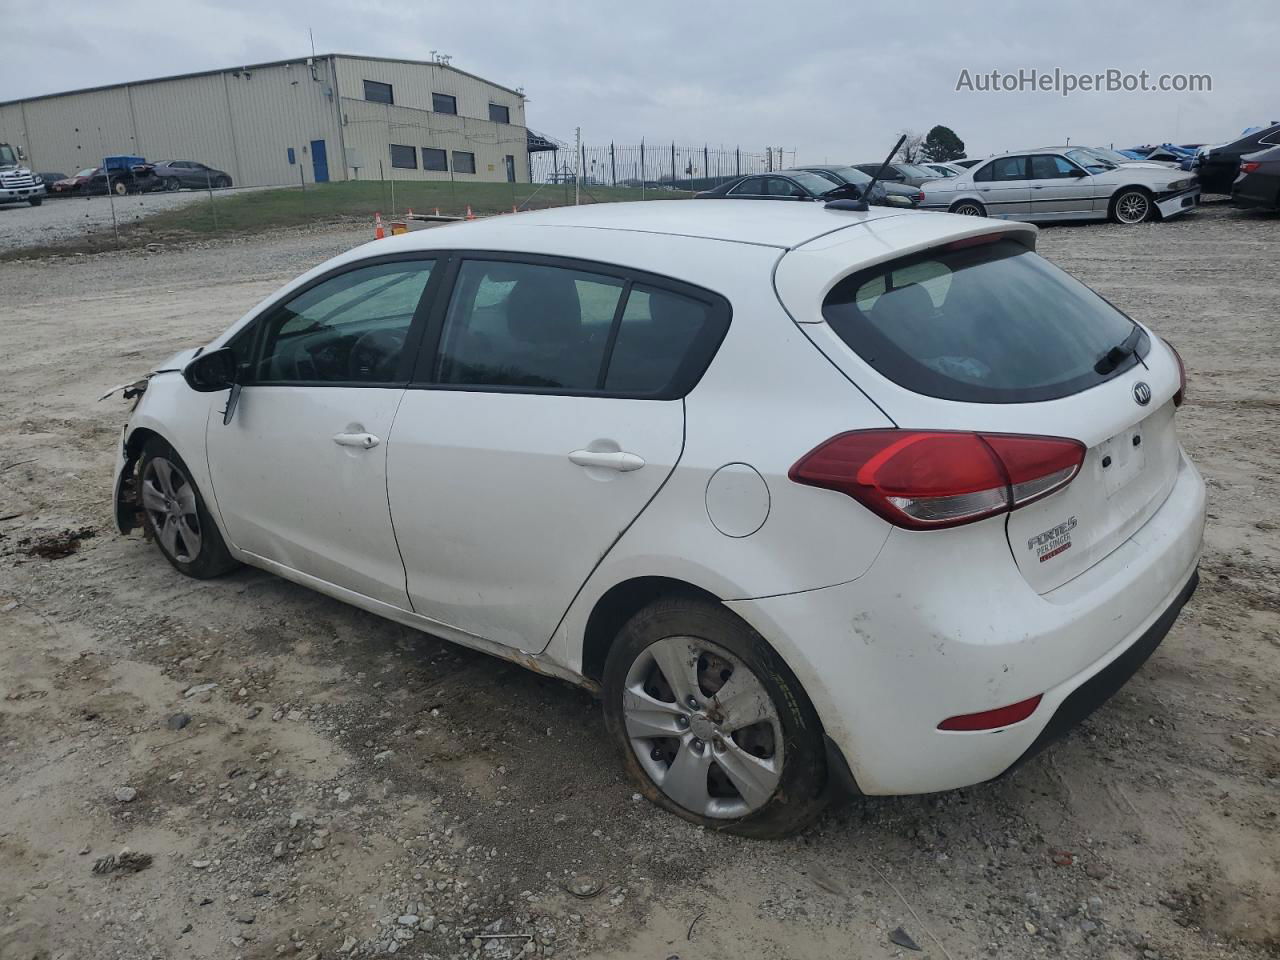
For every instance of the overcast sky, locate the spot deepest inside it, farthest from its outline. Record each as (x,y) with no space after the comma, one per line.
(833,80)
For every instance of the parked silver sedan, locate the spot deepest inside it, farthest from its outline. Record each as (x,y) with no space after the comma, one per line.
(1068,184)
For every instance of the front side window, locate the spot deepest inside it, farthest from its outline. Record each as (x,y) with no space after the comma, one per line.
(751,187)
(464,162)
(780,187)
(378,92)
(525,325)
(404,157)
(1050,166)
(434,159)
(444,103)
(350,328)
(499,114)
(993,323)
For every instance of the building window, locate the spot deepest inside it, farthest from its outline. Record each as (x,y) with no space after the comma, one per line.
(444,103)
(499,114)
(405,157)
(378,92)
(464,162)
(434,159)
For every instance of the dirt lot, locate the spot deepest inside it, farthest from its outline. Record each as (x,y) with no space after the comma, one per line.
(351,788)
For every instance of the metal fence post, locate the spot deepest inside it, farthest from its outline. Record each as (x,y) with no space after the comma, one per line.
(613,166)
(737,161)
(673,165)
(642,173)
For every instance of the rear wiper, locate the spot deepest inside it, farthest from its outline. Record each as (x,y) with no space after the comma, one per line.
(1118,354)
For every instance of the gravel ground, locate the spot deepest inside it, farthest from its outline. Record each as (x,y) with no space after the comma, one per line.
(310,781)
(70,218)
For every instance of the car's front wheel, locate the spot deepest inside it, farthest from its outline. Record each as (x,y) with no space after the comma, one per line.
(172,184)
(712,725)
(175,515)
(1132,206)
(36,201)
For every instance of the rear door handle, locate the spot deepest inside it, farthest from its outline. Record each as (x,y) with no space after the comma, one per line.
(618,460)
(364,441)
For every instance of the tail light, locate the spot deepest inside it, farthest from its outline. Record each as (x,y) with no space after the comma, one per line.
(927,480)
(1182,375)
(920,197)
(1249,166)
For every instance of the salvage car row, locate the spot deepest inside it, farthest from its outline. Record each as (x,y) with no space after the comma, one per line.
(125,175)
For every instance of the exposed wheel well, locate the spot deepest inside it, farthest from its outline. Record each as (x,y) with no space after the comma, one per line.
(126,505)
(619,604)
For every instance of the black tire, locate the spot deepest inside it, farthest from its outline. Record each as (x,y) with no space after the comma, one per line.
(172,184)
(1132,198)
(800,791)
(120,188)
(36,201)
(222,183)
(968,208)
(211,557)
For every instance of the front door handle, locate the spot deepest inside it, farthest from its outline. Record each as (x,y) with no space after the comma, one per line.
(364,441)
(618,460)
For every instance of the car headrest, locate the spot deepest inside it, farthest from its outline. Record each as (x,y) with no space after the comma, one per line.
(543,307)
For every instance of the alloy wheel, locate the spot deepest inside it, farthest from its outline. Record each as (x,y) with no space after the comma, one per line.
(1132,208)
(969,210)
(170,503)
(703,727)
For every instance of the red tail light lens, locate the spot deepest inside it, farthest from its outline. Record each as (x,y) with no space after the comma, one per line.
(993,719)
(1249,166)
(1182,375)
(927,480)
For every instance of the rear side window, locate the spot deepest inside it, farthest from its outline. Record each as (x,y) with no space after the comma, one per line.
(993,323)
(554,329)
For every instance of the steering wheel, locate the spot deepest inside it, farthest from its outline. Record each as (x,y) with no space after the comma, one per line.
(375,355)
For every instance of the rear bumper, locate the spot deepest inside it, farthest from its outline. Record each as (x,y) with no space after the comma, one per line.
(1257,190)
(928,634)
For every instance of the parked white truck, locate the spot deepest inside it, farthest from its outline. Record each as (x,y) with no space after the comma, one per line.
(17,183)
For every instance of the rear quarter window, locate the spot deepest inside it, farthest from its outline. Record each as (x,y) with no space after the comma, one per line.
(993,323)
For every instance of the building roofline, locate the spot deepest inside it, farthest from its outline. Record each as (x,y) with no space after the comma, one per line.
(255,66)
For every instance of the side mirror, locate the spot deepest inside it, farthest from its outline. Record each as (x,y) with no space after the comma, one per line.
(211,372)
(1077,172)
(22,154)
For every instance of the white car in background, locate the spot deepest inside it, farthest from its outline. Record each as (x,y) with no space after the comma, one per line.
(1064,184)
(817,500)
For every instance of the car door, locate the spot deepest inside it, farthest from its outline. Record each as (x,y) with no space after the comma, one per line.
(542,424)
(1060,190)
(1002,188)
(299,471)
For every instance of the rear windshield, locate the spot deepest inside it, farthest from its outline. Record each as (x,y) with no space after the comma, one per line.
(993,323)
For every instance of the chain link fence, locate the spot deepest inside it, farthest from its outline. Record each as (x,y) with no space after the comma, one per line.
(652,166)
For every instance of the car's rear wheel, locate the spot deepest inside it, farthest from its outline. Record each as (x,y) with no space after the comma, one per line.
(712,725)
(175,516)
(172,184)
(969,208)
(120,187)
(1132,205)
(222,182)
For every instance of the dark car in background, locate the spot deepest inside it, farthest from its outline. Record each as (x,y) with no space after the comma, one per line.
(795,185)
(1258,184)
(1218,166)
(907,174)
(73,184)
(881,194)
(177,174)
(49,179)
(136,178)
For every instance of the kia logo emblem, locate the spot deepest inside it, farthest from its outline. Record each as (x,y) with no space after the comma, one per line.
(1142,393)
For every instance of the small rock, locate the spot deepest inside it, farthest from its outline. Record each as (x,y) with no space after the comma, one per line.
(584,886)
(1097,870)
(408,920)
(348,945)
(343,795)
(252,712)
(295,715)
(199,689)
(201,864)
(178,721)
(245,918)
(278,850)
(126,794)
(1030,927)
(317,843)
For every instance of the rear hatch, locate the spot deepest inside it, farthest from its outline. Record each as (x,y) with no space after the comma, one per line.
(985,336)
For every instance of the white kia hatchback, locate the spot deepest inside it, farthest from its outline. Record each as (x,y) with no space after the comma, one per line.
(817,500)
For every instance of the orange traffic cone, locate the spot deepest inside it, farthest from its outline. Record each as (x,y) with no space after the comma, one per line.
(378,232)
(513,209)
(437,211)
(470,215)
(410,216)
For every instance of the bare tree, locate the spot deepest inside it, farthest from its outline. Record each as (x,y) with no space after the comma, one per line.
(909,152)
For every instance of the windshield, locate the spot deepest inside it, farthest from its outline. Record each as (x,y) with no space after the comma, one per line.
(1090,160)
(994,323)
(1115,156)
(914,170)
(86,172)
(812,182)
(7,157)
(848,175)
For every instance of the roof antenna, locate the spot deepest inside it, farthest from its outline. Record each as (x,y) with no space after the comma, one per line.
(860,205)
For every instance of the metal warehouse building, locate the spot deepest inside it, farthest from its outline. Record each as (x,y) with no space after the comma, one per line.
(330,117)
